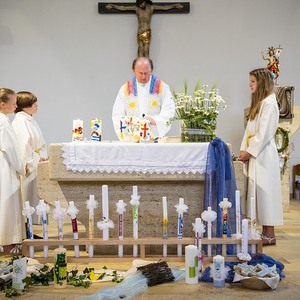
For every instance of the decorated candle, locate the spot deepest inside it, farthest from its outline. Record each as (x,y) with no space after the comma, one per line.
(219,271)
(238,217)
(209,216)
(59,214)
(135,211)
(73,211)
(180,209)
(165,224)
(120,210)
(41,210)
(91,205)
(245,236)
(198,228)
(27,212)
(191,264)
(253,222)
(96,127)
(106,223)
(77,130)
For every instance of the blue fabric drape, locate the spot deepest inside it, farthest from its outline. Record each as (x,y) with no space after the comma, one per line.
(219,184)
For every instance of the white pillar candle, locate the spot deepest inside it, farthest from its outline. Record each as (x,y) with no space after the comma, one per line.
(191,264)
(245,236)
(198,236)
(105,214)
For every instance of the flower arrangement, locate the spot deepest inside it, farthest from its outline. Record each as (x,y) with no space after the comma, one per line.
(198,112)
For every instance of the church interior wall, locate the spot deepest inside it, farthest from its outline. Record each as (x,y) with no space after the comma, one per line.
(75,59)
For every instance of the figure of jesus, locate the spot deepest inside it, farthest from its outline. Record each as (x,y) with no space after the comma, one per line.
(144,10)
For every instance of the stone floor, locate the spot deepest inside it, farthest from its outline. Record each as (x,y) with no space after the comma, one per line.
(286,251)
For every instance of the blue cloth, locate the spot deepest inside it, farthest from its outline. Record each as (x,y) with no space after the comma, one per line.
(219,184)
(257,258)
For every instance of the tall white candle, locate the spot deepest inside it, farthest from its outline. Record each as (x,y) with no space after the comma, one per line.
(135,216)
(238,218)
(253,222)
(165,223)
(165,208)
(120,210)
(238,211)
(245,236)
(105,215)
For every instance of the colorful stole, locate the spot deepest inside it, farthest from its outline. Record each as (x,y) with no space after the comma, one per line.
(156,86)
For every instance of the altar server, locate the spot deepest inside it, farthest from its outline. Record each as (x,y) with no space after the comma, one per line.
(12,229)
(32,143)
(259,152)
(145,96)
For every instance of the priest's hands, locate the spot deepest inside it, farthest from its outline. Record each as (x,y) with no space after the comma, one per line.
(152,122)
(244,156)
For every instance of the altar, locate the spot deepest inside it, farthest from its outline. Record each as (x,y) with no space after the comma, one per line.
(173,170)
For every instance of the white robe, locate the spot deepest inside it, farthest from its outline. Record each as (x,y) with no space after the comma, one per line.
(33,147)
(12,225)
(167,108)
(263,171)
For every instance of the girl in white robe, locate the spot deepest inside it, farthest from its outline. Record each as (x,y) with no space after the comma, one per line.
(259,152)
(12,225)
(32,145)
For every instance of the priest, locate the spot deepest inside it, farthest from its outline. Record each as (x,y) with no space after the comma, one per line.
(144,96)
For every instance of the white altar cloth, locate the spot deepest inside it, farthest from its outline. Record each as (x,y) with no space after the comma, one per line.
(135,157)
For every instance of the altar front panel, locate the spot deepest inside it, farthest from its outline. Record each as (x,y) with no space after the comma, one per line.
(77,186)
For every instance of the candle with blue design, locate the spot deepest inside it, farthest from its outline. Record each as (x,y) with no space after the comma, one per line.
(181,208)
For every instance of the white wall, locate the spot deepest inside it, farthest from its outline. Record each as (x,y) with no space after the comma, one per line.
(75,59)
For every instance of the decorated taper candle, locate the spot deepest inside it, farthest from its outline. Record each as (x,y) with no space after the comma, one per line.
(180,209)
(120,210)
(105,210)
(245,236)
(165,224)
(106,223)
(225,204)
(59,213)
(91,205)
(73,211)
(199,229)
(238,218)
(135,214)
(253,222)
(27,212)
(41,210)
(209,216)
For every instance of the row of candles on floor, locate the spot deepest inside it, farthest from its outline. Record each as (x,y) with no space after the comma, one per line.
(59,213)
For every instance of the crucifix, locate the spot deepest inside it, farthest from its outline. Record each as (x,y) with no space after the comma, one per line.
(144,10)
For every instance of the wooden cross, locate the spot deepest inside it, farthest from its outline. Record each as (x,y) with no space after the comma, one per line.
(144,10)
